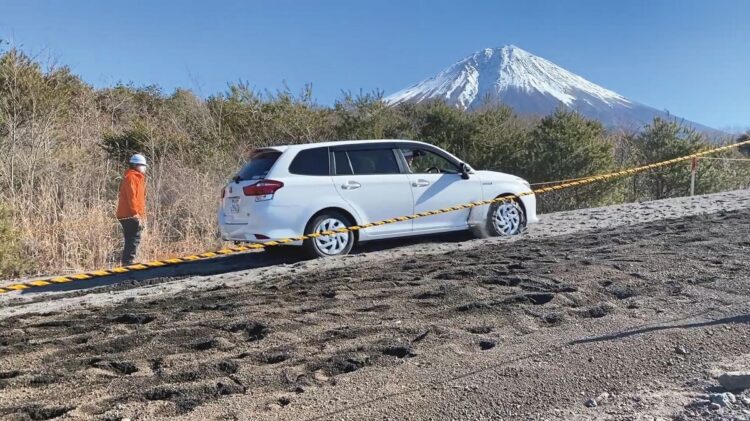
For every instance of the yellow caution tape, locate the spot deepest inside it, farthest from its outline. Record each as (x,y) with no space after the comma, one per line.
(278,242)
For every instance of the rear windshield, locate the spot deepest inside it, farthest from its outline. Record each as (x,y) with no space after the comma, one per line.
(258,166)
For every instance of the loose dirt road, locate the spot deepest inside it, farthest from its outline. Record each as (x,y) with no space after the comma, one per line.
(647,303)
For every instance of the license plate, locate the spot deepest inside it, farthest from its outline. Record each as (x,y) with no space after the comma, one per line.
(234,206)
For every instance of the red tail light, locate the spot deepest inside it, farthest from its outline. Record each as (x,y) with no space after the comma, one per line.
(263,188)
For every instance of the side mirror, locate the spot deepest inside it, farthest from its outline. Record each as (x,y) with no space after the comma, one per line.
(464,171)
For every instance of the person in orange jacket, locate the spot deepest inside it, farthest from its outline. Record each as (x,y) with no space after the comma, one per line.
(131,206)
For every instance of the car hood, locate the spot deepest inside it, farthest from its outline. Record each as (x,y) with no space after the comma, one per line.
(500,176)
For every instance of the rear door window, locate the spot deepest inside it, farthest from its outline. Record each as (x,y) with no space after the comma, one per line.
(258,166)
(311,162)
(343,166)
(373,161)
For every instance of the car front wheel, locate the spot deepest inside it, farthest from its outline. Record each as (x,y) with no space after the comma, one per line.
(503,219)
(332,245)
(506,218)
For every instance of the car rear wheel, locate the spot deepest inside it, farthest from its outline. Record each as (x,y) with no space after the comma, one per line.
(503,219)
(331,245)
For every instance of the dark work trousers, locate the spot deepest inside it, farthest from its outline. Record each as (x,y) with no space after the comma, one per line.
(131,230)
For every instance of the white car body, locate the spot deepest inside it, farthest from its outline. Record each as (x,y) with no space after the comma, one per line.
(287,210)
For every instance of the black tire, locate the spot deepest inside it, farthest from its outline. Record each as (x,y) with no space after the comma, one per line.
(313,248)
(514,224)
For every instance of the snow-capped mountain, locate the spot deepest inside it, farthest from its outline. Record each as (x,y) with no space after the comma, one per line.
(530,85)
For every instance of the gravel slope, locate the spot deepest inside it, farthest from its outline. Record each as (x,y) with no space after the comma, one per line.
(251,267)
(647,303)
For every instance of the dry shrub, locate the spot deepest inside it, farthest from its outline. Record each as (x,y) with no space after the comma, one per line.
(183,205)
(59,184)
(63,145)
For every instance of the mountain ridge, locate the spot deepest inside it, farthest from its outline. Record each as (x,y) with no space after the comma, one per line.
(530,85)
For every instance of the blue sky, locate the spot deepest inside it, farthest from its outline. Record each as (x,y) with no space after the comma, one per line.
(690,57)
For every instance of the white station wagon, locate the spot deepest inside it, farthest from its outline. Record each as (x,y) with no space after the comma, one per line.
(284,191)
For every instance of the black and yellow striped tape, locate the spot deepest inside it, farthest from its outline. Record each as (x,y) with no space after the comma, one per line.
(259,246)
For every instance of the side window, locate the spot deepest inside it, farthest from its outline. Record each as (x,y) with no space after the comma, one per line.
(421,161)
(375,161)
(343,167)
(310,162)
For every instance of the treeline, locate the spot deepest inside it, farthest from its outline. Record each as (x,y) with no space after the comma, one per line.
(63,145)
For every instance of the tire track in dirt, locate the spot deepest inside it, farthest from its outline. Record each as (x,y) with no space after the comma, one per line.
(254,266)
(282,346)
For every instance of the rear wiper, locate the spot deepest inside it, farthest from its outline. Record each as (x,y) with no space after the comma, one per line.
(237,179)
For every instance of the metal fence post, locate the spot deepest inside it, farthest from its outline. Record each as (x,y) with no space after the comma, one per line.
(693,169)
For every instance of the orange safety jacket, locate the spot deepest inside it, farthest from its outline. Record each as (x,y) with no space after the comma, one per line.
(132,200)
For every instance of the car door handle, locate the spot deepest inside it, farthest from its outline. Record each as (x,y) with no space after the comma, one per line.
(420,183)
(351,185)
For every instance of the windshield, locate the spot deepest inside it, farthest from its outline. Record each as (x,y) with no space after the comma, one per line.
(258,166)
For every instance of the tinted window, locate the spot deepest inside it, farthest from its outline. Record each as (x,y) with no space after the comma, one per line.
(311,162)
(376,161)
(258,166)
(343,167)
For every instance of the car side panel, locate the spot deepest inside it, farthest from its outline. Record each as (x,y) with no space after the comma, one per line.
(437,191)
(287,214)
(380,197)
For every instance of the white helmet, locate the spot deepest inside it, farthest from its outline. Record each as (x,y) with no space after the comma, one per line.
(138,159)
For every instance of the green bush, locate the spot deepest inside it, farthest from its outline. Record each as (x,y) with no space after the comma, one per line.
(666,139)
(565,145)
(122,146)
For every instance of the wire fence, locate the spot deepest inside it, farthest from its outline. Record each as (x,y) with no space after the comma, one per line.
(722,174)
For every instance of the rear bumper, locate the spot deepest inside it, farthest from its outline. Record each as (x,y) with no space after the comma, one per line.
(262,223)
